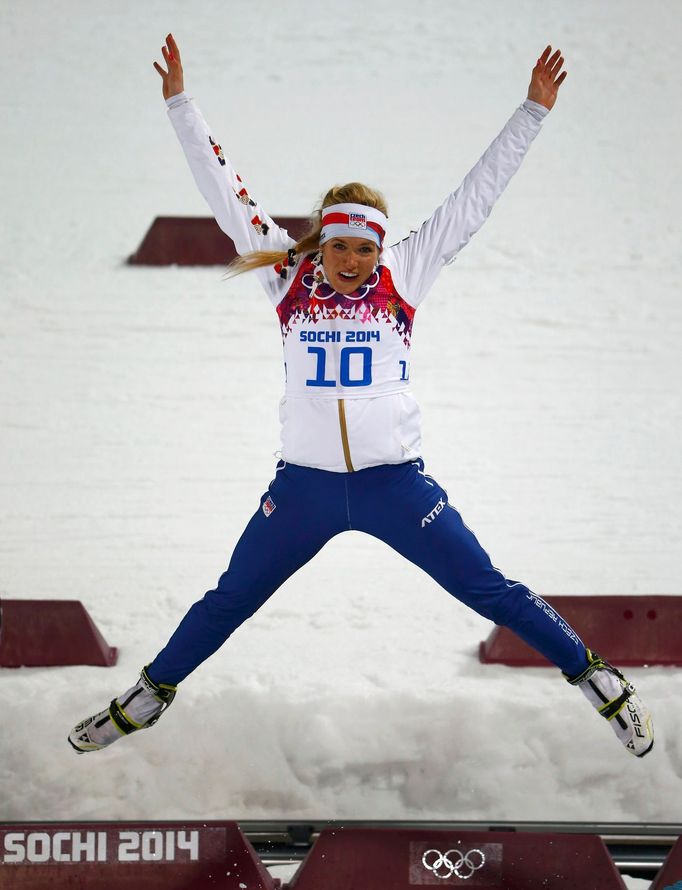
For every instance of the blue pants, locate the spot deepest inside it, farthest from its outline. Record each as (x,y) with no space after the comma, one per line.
(399,504)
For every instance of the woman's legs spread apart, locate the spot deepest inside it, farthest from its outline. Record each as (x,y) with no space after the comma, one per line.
(408,510)
(302,509)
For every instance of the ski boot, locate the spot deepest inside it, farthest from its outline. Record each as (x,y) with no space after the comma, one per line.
(138,708)
(615,699)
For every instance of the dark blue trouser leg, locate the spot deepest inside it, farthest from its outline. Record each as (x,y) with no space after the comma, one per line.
(309,509)
(409,511)
(398,504)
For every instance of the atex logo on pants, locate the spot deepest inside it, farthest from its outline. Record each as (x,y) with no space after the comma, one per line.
(432,515)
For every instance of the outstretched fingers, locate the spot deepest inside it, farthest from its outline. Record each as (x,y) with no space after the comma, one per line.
(556,67)
(170,53)
(173,47)
(172,74)
(545,55)
(547,77)
(554,59)
(550,64)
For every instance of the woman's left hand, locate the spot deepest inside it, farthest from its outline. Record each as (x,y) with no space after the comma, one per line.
(546,79)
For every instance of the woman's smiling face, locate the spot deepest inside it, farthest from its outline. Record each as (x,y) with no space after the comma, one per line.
(348,262)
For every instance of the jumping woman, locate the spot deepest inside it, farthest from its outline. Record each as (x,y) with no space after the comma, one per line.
(351,451)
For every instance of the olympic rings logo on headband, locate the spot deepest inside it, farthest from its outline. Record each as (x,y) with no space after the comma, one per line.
(464,867)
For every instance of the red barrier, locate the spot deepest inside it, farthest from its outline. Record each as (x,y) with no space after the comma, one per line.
(129,856)
(197,241)
(400,859)
(670,875)
(628,630)
(42,633)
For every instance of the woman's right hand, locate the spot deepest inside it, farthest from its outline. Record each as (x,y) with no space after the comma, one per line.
(173,80)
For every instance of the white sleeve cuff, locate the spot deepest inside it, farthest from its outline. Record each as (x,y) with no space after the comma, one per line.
(535,109)
(177,99)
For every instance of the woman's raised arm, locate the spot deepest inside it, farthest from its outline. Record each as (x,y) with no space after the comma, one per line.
(418,259)
(173,79)
(237,213)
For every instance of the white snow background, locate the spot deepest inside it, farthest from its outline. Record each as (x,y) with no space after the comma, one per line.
(139,406)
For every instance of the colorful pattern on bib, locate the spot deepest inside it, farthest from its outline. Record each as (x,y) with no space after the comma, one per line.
(311,299)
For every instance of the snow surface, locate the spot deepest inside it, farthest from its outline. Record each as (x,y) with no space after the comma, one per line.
(138,406)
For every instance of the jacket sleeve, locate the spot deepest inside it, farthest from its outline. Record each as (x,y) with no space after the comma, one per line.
(417,259)
(236,212)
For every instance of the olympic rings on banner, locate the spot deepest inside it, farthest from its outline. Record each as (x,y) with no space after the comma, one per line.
(464,867)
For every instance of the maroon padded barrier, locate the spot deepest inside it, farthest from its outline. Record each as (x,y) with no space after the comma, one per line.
(43,633)
(628,630)
(670,875)
(129,856)
(401,859)
(198,241)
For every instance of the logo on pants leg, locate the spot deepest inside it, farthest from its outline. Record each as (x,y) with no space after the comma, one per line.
(432,515)
(268,506)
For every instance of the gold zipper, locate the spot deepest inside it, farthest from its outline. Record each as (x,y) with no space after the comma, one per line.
(344,436)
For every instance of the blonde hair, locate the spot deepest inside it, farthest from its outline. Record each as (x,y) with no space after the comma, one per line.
(350,193)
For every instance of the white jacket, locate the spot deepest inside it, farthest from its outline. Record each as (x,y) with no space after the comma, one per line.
(347,403)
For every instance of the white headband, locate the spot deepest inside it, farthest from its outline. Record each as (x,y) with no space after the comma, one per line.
(353,221)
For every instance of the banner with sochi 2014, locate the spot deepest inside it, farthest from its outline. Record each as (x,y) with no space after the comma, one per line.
(97,856)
